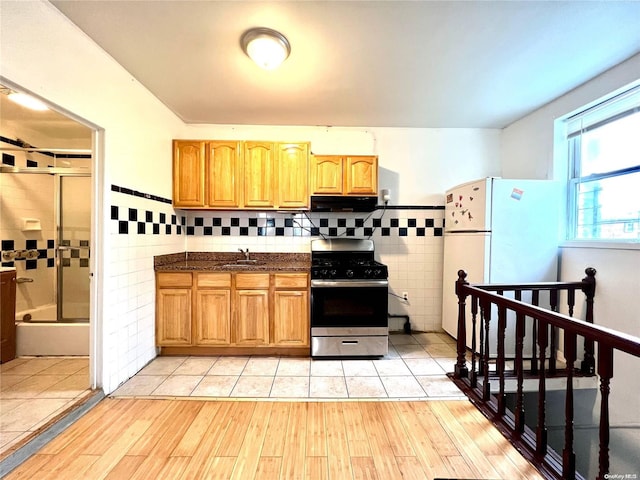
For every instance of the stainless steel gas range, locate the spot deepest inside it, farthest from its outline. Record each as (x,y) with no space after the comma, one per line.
(349,299)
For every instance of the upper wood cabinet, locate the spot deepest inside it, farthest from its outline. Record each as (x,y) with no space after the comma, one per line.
(259,175)
(293,175)
(223,179)
(340,175)
(327,174)
(361,175)
(188,173)
(240,175)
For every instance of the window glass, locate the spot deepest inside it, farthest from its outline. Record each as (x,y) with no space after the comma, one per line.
(613,146)
(604,156)
(609,208)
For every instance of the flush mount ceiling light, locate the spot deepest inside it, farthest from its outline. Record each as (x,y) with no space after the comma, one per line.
(24,100)
(266,47)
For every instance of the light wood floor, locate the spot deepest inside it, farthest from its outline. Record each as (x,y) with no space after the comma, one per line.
(193,439)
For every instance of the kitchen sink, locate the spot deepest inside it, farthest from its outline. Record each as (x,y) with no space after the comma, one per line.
(243,264)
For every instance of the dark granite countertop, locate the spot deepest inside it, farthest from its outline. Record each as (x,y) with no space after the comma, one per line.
(227,262)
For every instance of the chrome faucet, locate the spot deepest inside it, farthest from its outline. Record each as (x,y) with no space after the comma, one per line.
(245,252)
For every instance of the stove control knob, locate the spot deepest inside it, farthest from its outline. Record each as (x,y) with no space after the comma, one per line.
(333,273)
(377,272)
(349,273)
(367,273)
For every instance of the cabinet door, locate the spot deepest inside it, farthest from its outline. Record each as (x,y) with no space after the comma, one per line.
(7,316)
(293,175)
(326,175)
(173,317)
(188,173)
(259,175)
(291,318)
(213,317)
(362,175)
(252,317)
(224,180)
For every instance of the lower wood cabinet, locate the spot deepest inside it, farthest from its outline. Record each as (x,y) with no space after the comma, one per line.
(213,317)
(291,310)
(232,310)
(173,305)
(212,308)
(7,316)
(251,315)
(288,306)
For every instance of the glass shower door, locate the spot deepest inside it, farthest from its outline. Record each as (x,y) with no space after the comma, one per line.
(74,239)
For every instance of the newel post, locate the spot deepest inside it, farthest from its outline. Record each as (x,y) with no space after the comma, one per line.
(588,364)
(461,370)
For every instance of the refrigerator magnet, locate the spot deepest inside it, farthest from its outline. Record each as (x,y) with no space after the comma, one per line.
(516,194)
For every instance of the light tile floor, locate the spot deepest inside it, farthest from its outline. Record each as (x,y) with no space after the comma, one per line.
(35,390)
(415,368)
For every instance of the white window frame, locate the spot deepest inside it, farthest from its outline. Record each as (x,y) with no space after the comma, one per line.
(599,113)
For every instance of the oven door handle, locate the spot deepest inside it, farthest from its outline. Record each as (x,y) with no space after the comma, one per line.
(349,283)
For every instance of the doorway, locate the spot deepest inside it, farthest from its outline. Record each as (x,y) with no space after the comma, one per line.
(49,225)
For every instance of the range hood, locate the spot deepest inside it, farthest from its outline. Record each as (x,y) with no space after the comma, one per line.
(342,203)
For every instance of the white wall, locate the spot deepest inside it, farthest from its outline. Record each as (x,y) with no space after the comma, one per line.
(528,151)
(43,52)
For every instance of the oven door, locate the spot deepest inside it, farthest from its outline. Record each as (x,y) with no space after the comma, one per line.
(349,304)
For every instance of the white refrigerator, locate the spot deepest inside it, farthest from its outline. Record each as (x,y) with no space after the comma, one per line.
(499,231)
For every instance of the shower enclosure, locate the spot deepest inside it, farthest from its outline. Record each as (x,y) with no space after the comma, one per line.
(51,248)
(73,248)
(45,224)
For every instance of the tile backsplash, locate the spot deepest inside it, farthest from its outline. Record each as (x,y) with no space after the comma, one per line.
(408,239)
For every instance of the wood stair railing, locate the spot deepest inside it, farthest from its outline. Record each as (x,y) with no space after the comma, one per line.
(474,375)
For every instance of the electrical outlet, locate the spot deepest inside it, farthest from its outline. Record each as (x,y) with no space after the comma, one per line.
(405,296)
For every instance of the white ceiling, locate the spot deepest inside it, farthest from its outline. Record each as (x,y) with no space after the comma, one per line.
(436,64)
(42,126)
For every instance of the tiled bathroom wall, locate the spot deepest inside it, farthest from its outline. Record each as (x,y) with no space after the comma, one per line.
(24,198)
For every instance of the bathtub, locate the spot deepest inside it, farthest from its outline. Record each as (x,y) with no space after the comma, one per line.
(44,336)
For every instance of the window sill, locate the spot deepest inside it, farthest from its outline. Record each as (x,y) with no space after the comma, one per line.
(602,244)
